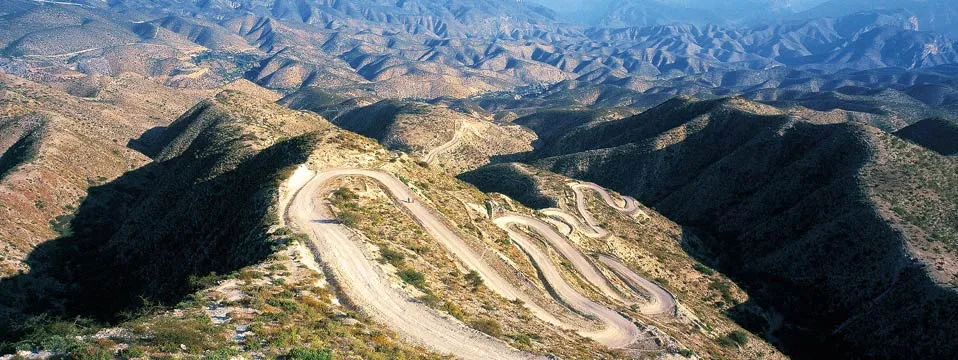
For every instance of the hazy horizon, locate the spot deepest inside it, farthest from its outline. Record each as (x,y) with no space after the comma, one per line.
(693,11)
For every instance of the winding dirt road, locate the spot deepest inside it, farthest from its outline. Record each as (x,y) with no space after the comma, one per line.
(618,331)
(660,300)
(368,287)
(365,284)
(572,221)
(568,250)
(630,207)
(430,157)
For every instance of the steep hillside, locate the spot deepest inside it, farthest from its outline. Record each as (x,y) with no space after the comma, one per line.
(20,142)
(776,195)
(513,180)
(317,179)
(646,240)
(55,145)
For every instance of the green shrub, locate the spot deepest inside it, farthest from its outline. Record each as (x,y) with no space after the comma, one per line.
(196,334)
(61,224)
(92,352)
(454,310)
(309,354)
(247,275)
(723,288)
(299,238)
(283,231)
(703,269)
(739,337)
(287,305)
(413,277)
(391,256)
(344,195)
(203,282)
(725,341)
(55,335)
(60,344)
(132,352)
(474,279)
(488,326)
(521,339)
(733,339)
(429,300)
(222,354)
(348,218)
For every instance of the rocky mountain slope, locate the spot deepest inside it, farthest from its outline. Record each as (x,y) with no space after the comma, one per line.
(933,15)
(887,98)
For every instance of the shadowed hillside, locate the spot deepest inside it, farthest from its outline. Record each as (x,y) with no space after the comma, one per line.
(20,141)
(938,135)
(513,180)
(148,237)
(833,226)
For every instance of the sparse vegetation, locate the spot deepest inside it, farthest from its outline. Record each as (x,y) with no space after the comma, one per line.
(391,256)
(739,337)
(61,224)
(733,339)
(309,354)
(488,326)
(413,277)
(724,288)
(705,270)
(191,334)
(474,279)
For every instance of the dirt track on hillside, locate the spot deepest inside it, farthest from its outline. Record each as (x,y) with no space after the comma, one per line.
(365,284)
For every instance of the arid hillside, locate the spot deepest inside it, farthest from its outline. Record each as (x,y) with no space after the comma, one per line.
(57,145)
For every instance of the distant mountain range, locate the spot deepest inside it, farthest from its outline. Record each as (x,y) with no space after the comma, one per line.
(432,48)
(930,15)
